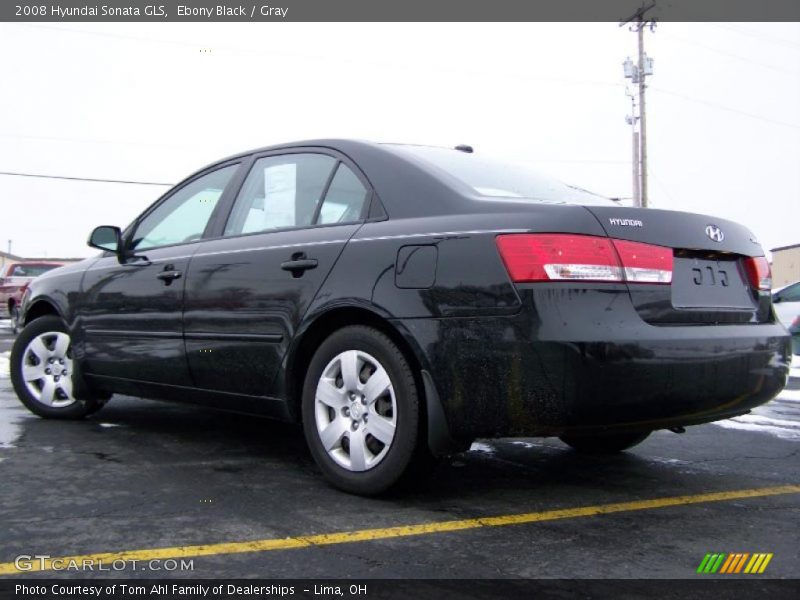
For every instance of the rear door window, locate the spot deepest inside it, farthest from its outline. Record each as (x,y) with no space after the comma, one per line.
(280,192)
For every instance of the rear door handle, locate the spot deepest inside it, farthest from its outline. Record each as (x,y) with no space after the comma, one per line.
(169,276)
(299,264)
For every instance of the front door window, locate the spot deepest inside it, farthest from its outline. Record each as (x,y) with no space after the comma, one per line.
(184,215)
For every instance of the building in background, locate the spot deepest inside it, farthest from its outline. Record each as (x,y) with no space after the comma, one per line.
(785,265)
(6,259)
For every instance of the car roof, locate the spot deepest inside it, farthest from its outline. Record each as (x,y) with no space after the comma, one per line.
(423,192)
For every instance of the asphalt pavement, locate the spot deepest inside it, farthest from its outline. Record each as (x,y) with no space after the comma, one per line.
(237,496)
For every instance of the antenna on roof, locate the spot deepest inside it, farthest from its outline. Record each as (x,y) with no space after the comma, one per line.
(464,148)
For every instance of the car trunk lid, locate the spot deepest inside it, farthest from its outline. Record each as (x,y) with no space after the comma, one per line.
(712,264)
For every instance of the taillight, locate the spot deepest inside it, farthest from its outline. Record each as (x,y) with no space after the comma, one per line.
(645,263)
(758,272)
(569,257)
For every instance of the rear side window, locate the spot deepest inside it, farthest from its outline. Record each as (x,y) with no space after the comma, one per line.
(791,293)
(345,199)
(497,179)
(280,192)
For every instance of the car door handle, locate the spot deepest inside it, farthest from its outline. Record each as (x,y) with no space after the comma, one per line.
(299,264)
(169,276)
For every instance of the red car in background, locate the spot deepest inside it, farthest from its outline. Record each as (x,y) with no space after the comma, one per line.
(13,283)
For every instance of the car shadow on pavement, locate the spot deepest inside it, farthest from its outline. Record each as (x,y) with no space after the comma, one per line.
(233,443)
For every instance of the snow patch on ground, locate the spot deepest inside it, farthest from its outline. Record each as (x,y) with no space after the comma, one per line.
(769,418)
(668,461)
(11,418)
(481,447)
(11,411)
(10,427)
(5,324)
(761,427)
(4,365)
(794,368)
(789,395)
(526,444)
(109,424)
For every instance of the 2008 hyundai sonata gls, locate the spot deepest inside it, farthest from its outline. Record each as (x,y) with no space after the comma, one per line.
(401,301)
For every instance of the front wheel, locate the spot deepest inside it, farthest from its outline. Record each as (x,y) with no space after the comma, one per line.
(604,443)
(42,371)
(361,411)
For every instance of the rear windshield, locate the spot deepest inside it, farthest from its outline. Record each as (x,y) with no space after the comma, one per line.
(496,179)
(30,270)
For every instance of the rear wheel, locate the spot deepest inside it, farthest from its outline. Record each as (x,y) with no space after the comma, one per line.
(604,443)
(43,372)
(361,411)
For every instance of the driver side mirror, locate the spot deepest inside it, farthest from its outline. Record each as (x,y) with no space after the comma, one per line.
(106,237)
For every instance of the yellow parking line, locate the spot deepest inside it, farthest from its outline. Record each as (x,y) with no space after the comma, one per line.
(347,537)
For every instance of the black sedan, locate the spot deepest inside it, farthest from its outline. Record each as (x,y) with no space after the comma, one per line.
(401,301)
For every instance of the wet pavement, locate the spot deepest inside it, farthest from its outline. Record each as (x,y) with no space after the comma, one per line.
(144,475)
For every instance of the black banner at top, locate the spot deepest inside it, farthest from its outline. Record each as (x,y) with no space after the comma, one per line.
(397,10)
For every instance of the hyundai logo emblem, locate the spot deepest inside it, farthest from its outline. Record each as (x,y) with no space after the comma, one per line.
(715,233)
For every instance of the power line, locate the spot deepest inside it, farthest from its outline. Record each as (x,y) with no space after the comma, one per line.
(663,187)
(770,39)
(255,53)
(50,138)
(730,54)
(92,179)
(728,108)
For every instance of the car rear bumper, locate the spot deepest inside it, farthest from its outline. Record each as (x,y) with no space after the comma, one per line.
(546,370)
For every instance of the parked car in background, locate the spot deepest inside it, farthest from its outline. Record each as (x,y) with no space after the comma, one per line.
(794,329)
(14,282)
(786,301)
(401,301)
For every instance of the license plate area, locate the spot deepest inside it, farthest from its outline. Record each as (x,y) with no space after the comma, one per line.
(709,283)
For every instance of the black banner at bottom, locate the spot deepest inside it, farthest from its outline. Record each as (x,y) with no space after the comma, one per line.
(418,589)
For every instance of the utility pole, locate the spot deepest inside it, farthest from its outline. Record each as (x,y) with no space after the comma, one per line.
(632,119)
(642,120)
(638,74)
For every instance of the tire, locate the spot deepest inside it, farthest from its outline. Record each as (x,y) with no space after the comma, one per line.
(39,352)
(361,411)
(604,443)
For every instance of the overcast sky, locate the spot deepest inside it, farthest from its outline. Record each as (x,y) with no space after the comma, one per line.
(155,102)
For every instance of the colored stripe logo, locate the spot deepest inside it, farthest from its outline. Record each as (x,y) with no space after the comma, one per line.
(737,562)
